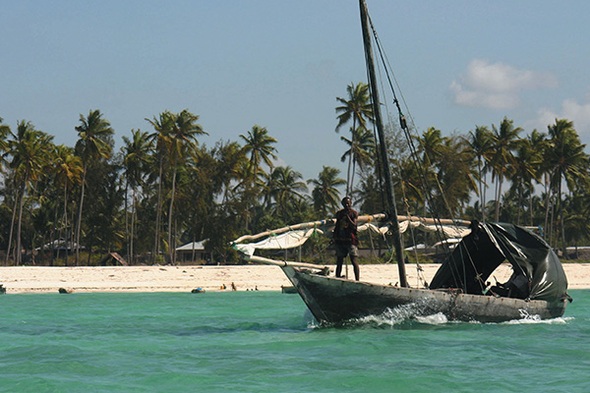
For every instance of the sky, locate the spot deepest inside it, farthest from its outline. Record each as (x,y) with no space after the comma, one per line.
(281,65)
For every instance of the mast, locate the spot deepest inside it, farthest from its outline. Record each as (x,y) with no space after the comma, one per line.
(391,208)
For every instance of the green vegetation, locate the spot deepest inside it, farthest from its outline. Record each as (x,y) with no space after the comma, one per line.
(163,188)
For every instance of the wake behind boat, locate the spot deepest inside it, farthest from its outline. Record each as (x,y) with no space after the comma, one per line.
(460,289)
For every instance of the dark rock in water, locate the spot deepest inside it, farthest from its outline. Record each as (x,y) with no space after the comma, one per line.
(63,290)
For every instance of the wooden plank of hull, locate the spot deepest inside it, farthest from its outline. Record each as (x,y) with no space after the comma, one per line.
(335,301)
(499,309)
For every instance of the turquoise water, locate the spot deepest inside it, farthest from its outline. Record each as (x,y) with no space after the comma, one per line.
(264,342)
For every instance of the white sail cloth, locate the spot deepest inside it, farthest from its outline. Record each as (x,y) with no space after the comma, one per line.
(283,241)
(297,237)
(447,230)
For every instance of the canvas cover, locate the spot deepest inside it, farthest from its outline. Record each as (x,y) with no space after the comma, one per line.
(535,264)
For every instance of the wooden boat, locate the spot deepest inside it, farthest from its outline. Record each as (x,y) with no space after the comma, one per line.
(460,288)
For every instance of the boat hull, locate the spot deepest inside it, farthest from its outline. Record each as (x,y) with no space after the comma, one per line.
(335,301)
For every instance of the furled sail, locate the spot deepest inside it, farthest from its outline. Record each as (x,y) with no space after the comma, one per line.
(296,235)
(284,241)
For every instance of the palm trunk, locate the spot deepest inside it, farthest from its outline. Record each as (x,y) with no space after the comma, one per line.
(11,229)
(560,217)
(127,229)
(531,208)
(54,234)
(171,248)
(352,176)
(529,202)
(158,214)
(348,175)
(498,195)
(348,181)
(18,255)
(484,201)
(520,200)
(547,201)
(65,222)
(79,225)
(481,196)
(132,234)
(71,238)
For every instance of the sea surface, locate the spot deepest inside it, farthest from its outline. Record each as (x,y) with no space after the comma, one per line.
(266,342)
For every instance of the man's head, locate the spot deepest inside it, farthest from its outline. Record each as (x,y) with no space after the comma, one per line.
(347,202)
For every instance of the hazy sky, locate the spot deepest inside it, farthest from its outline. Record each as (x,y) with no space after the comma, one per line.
(281,65)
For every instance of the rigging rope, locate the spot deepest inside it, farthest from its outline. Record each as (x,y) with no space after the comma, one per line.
(421,280)
(414,153)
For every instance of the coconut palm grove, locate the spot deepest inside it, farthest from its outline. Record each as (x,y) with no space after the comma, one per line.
(71,205)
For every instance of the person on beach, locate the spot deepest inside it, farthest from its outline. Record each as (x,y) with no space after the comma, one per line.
(345,237)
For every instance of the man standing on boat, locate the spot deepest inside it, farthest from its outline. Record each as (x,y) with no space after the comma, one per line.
(345,237)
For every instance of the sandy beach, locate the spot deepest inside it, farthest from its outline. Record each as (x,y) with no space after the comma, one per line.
(32,279)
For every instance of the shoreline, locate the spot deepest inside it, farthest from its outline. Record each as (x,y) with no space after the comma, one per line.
(166,278)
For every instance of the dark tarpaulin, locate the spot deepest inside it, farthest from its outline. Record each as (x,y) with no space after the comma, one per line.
(476,257)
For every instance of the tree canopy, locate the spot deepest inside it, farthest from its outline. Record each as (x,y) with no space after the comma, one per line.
(163,188)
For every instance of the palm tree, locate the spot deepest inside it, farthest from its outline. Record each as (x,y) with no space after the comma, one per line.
(481,143)
(325,191)
(94,143)
(136,159)
(506,141)
(175,134)
(368,195)
(424,179)
(456,175)
(576,209)
(28,149)
(566,161)
(358,108)
(526,171)
(161,140)
(431,145)
(201,188)
(539,144)
(260,146)
(184,138)
(411,188)
(4,133)
(67,168)
(231,160)
(360,152)
(287,187)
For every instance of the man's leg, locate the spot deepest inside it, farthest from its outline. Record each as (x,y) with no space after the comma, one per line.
(355,265)
(339,261)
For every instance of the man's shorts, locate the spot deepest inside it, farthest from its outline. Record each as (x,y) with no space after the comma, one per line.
(344,249)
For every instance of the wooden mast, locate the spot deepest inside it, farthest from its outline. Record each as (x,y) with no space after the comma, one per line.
(391,208)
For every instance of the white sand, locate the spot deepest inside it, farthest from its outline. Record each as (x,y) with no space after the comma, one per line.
(31,279)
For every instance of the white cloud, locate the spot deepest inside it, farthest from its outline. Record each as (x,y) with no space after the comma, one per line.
(579,113)
(496,85)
